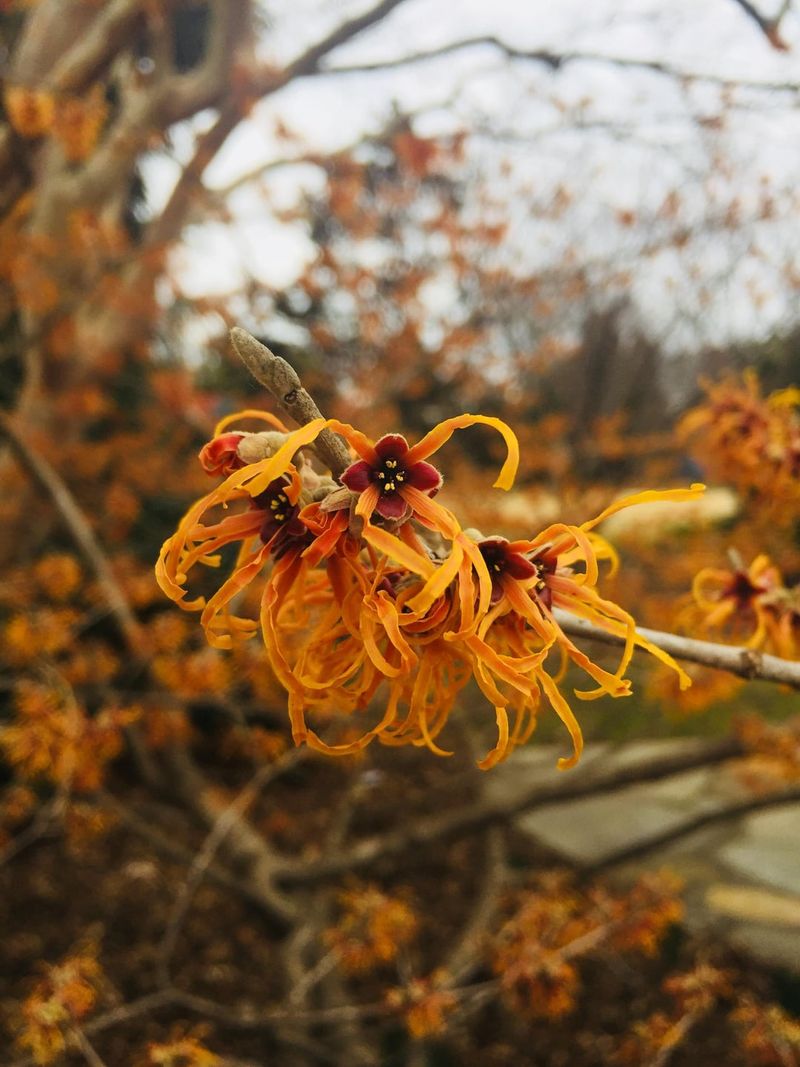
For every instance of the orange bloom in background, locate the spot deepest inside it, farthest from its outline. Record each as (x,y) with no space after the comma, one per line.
(426,1004)
(66,994)
(750,440)
(30,111)
(372,928)
(731,602)
(375,596)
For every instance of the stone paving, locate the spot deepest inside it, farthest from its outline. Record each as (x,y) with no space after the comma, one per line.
(742,876)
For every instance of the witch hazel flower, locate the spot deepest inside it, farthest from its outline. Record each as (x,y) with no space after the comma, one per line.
(389,476)
(400,610)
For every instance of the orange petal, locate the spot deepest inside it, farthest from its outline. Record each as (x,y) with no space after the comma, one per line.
(257,476)
(500,750)
(432,514)
(357,440)
(434,440)
(647,497)
(249,413)
(396,550)
(564,712)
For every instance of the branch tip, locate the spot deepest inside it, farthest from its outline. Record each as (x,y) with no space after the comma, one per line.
(283,382)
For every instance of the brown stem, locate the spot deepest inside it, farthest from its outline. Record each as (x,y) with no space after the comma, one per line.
(743,662)
(225,823)
(292,398)
(462,956)
(242,840)
(770,27)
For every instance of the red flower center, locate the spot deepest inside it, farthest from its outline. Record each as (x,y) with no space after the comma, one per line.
(282,526)
(392,474)
(502,561)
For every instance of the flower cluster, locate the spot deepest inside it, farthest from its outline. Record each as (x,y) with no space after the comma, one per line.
(750,604)
(371,930)
(694,995)
(772,752)
(426,1004)
(182,1050)
(52,737)
(750,440)
(770,1036)
(554,926)
(58,1003)
(371,582)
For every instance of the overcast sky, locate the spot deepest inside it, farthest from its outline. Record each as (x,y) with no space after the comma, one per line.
(618,136)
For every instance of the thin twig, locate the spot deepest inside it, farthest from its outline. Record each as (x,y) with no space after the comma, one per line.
(743,662)
(462,956)
(322,974)
(44,820)
(675,1038)
(223,825)
(49,480)
(87,1049)
(770,27)
(242,841)
(557,61)
(170,848)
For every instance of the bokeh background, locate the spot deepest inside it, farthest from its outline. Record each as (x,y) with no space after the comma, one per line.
(579,218)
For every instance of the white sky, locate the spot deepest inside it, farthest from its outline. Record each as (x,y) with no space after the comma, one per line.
(639,139)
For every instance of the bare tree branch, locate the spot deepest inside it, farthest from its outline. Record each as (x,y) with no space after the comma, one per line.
(167,846)
(243,842)
(467,819)
(92,51)
(462,955)
(770,27)
(225,822)
(672,834)
(555,61)
(309,61)
(262,83)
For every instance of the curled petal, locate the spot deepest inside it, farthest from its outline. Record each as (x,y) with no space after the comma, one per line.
(650,496)
(358,441)
(565,713)
(398,551)
(257,477)
(249,413)
(434,440)
(439,581)
(219,456)
(431,514)
(500,750)
(367,502)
